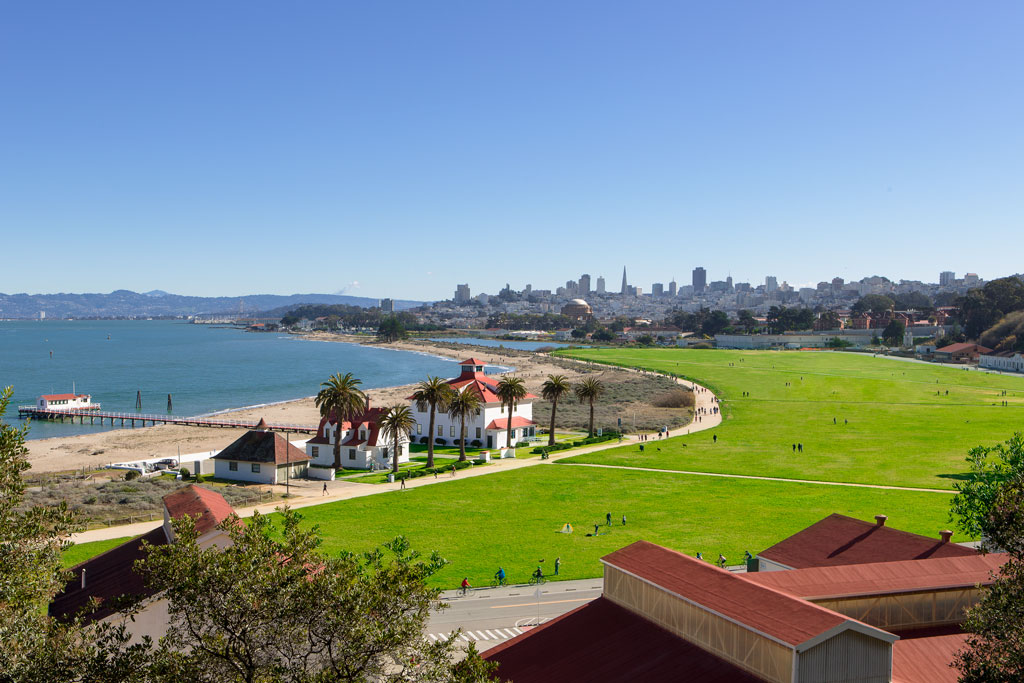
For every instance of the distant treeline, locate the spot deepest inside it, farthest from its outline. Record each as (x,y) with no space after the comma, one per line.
(530,321)
(340,315)
(994,314)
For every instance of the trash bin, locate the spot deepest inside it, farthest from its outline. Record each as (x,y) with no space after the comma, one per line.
(751,564)
(391,478)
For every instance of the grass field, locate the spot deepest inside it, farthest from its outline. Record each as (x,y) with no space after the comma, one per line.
(512,518)
(83,551)
(891,426)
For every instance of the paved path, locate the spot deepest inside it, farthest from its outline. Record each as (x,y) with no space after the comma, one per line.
(751,476)
(310,492)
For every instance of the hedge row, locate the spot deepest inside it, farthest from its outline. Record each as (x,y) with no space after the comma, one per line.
(563,445)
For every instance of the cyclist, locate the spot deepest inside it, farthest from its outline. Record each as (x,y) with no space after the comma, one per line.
(500,576)
(465,584)
(538,573)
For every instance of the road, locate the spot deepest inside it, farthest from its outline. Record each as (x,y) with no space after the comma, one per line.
(490,616)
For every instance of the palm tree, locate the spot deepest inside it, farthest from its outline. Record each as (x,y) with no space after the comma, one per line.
(552,390)
(460,406)
(510,390)
(396,423)
(588,391)
(341,396)
(436,393)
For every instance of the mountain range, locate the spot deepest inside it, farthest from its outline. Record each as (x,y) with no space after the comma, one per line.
(125,303)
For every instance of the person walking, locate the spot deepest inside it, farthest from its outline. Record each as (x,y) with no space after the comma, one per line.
(597,528)
(558,564)
(794,448)
(325,489)
(714,438)
(623,520)
(608,518)
(800,447)
(403,483)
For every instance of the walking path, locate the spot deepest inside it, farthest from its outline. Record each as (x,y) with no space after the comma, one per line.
(751,476)
(311,491)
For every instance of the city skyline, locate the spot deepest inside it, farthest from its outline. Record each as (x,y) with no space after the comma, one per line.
(602,133)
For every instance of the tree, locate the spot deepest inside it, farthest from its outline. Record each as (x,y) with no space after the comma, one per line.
(391,329)
(716,322)
(992,502)
(461,405)
(510,390)
(578,333)
(603,335)
(893,333)
(873,303)
(588,391)
(270,607)
(435,392)
(340,395)
(554,387)
(829,320)
(397,422)
(747,321)
(645,340)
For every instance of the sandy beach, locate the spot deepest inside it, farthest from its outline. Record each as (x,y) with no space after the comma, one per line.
(86,451)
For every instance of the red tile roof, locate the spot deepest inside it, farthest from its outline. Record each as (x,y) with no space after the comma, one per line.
(925,658)
(882,578)
(107,577)
(839,539)
(62,397)
(472,361)
(207,507)
(767,611)
(602,642)
(963,346)
(502,423)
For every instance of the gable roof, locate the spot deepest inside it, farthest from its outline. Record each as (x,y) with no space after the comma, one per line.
(502,423)
(257,446)
(838,539)
(472,361)
(208,508)
(882,578)
(963,346)
(602,642)
(107,577)
(779,616)
(63,397)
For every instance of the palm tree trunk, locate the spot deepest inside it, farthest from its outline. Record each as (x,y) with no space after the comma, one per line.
(394,454)
(430,437)
(591,417)
(509,437)
(337,446)
(462,438)
(551,436)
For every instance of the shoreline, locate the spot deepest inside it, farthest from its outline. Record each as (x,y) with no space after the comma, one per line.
(98,449)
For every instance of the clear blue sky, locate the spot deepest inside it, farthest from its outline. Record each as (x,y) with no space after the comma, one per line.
(218,148)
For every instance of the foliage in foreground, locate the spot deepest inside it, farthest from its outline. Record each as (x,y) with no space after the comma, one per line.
(993,502)
(270,607)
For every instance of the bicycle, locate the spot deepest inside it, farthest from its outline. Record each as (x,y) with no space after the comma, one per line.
(538,580)
(495,582)
(464,591)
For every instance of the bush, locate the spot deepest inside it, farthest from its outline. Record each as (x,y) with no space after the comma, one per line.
(131,474)
(424,440)
(702,345)
(523,444)
(462,465)
(91,500)
(679,398)
(440,442)
(475,443)
(184,472)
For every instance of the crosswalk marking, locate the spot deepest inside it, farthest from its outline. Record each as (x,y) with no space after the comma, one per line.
(479,635)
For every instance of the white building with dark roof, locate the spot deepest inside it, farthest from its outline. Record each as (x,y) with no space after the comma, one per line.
(260,456)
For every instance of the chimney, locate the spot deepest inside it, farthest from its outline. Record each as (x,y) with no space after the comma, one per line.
(945,535)
(83,578)
(880,520)
(367,403)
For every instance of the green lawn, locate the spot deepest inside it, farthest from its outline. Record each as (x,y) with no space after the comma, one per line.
(82,552)
(512,518)
(891,426)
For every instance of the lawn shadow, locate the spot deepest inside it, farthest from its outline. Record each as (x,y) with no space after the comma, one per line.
(964,476)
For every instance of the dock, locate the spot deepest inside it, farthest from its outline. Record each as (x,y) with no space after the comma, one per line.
(130,419)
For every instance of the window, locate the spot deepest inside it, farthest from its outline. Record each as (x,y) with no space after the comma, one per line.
(451,430)
(233,466)
(351,454)
(440,430)
(419,428)
(421,406)
(513,433)
(478,412)
(255,468)
(478,432)
(316,451)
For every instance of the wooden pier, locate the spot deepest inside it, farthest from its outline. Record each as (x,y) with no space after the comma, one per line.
(130,419)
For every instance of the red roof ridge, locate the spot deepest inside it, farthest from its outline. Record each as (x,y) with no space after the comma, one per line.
(472,361)
(208,508)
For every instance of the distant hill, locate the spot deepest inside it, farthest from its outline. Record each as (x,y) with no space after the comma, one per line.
(124,303)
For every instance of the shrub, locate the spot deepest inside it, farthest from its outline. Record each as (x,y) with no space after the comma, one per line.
(523,444)
(91,500)
(475,443)
(184,472)
(424,440)
(701,345)
(131,474)
(462,465)
(680,398)
(441,442)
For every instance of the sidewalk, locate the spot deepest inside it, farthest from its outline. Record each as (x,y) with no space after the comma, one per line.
(347,490)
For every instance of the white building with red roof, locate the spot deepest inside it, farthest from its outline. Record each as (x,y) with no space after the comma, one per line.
(66,402)
(488,428)
(363,446)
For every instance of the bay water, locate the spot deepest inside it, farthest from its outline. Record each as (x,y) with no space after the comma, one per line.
(206,369)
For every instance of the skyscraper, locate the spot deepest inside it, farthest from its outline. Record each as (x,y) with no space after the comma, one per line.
(771,283)
(672,287)
(387,305)
(600,284)
(947,278)
(657,289)
(625,287)
(462,294)
(700,280)
(584,286)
